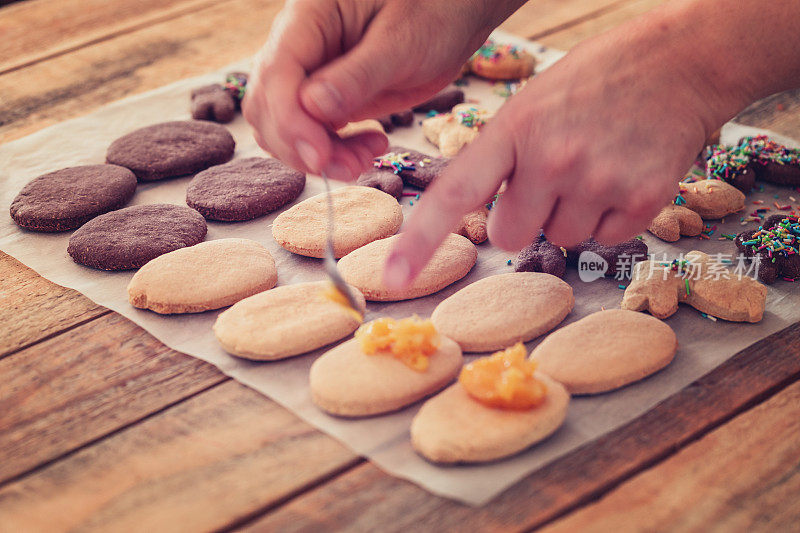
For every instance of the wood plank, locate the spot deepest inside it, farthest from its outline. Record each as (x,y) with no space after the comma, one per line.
(365,495)
(744,476)
(202,465)
(39,29)
(77,387)
(781,111)
(536,19)
(82,80)
(32,308)
(620,12)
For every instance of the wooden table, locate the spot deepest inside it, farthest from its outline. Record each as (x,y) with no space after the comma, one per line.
(103,427)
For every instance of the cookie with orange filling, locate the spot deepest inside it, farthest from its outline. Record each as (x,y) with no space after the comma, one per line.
(500,406)
(388,365)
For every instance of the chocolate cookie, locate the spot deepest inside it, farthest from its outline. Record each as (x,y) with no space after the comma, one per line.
(172,149)
(542,256)
(731,165)
(403,118)
(620,257)
(67,198)
(213,102)
(773,162)
(131,237)
(414,168)
(381,179)
(442,102)
(244,189)
(776,247)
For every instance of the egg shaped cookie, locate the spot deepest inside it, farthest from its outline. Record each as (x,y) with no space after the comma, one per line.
(498,311)
(452,427)
(285,321)
(205,276)
(363,268)
(606,350)
(361,215)
(347,382)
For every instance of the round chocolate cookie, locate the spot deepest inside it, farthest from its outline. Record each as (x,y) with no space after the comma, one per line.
(67,198)
(388,182)
(131,237)
(172,149)
(244,189)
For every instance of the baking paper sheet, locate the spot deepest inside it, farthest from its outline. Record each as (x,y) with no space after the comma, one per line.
(384,440)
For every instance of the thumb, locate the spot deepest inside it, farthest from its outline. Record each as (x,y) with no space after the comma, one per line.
(336,91)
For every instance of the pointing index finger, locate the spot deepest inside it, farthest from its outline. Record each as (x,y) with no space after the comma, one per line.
(469,180)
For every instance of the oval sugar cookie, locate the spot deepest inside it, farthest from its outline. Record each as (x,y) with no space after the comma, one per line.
(347,382)
(363,268)
(285,321)
(205,276)
(452,427)
(606,350)
(361,215)
(498,311)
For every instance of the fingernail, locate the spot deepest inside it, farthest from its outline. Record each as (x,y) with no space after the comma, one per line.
(327,99)
(338,171)
(308,154)
(397,272)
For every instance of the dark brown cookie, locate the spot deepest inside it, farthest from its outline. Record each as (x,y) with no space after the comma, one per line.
(773,162)
(620,257)
(442,102)
(244,189)
(172,149)
(776,247)
(403,118)
(213,102)
(67,198)
(415,168)
(383,180)
(130,237)
(542,256)
(732,165)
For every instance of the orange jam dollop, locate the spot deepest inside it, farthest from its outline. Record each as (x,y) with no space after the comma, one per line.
(411,340)
(504,379)
(335,295)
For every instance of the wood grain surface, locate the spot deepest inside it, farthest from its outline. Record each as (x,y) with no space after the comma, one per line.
(104,428)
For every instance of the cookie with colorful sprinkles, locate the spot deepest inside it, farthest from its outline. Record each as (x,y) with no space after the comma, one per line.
(497,61)
(776,247)
(452,131)
(413,168)
(773,162)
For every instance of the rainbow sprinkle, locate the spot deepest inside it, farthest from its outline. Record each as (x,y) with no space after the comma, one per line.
(398,162)
(493,51)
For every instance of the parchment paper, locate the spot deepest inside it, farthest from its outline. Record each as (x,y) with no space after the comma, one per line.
(384,440)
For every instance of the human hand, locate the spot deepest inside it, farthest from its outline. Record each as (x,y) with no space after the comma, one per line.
(593,146)
(328,62)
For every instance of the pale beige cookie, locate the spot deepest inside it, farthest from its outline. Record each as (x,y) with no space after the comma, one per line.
(347,382)
(712,199)
(451,131)
(702,282)
(674,221)
(285,321)
(452,427)
(473,225)
(361,215)
(500,310)
(363,268)
(205,276)
(606,350)
(351,129)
